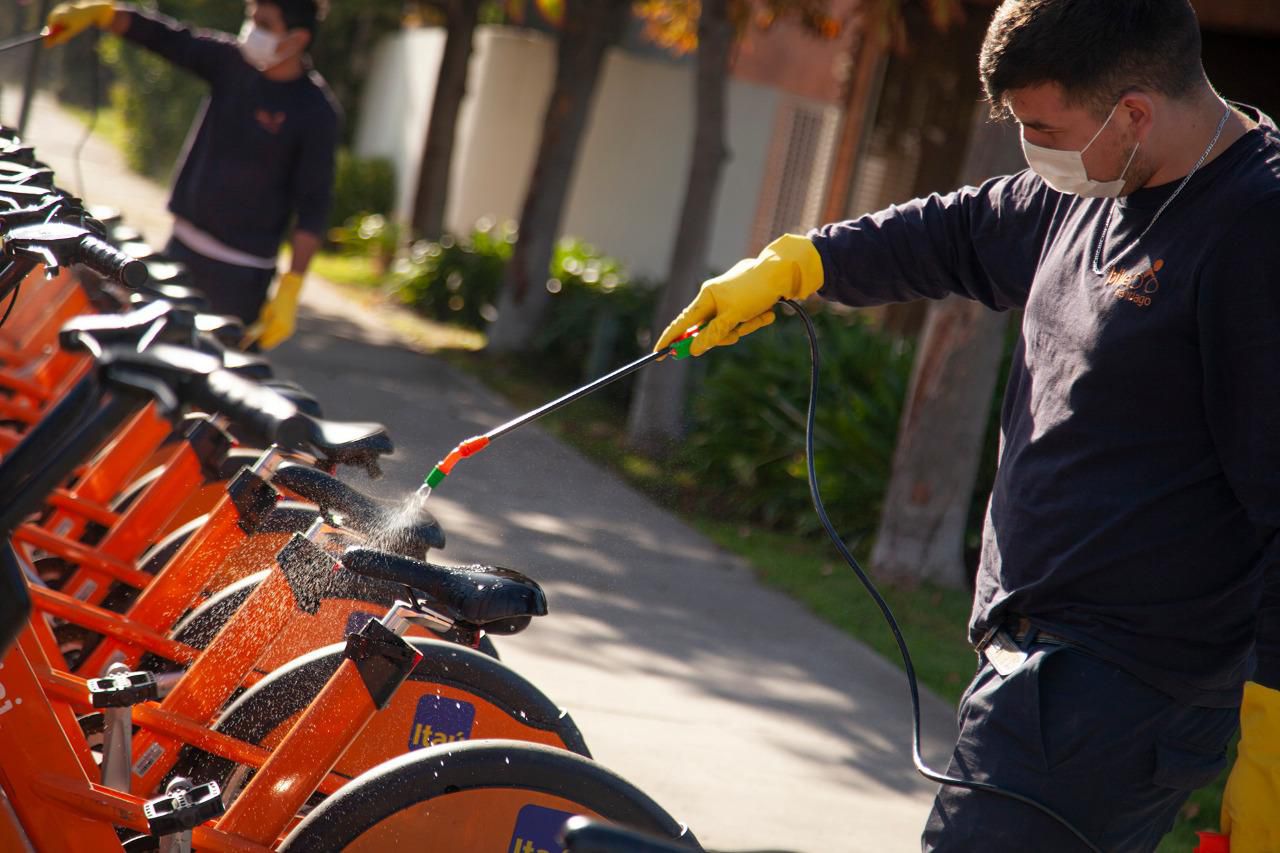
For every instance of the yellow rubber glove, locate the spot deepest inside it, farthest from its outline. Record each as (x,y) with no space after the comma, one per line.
(1251,802)
(741,300)
(279,314)
(68,20)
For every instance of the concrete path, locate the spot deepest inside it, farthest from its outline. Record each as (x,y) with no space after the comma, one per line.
(745,716)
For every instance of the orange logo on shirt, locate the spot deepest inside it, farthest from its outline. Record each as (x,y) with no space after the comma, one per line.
(271,122)
(1136,287)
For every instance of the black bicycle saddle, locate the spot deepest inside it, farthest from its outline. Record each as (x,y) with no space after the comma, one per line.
(164,322)
(241,363)
(189,298)
(412,536)
(495,599)
(223,328)
(183,376)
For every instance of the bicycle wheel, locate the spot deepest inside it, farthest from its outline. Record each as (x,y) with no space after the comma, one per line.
(453,695)
(478,796)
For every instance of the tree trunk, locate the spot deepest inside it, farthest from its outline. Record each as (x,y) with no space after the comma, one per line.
(922,525)
(590,28)
(656,419)
(437,151)
(860,95)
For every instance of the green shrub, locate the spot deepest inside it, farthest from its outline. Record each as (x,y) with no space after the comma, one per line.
(457,281)
(596,320)
(746,446)
(372,236)
(361,186)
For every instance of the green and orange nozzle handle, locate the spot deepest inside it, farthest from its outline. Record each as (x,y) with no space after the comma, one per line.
(679,349)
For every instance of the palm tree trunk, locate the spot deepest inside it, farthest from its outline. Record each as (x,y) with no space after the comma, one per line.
(590,28)
(656,419)
(451,86)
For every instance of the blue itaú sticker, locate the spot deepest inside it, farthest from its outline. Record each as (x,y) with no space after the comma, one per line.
(440,719)
(536,830)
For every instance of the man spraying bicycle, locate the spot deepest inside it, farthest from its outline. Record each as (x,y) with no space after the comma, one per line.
(261,152)
(1122,597)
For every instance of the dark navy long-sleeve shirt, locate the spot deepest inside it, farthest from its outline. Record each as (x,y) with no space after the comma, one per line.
(261,151)
(1136,505)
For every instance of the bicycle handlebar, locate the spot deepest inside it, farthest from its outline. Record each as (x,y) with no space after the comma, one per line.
(109,262)
(259,408)
(56,243)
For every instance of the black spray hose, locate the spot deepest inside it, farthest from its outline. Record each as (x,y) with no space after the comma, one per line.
(922,768)
(95,106)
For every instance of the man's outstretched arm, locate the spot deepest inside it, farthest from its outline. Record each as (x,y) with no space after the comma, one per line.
(978,242)
(202,52)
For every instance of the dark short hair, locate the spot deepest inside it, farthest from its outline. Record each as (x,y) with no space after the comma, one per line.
(1097,50)
(300,14)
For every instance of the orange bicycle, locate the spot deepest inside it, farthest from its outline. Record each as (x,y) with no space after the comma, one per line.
(496,788)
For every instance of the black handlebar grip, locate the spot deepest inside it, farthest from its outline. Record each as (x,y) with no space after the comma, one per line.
(109,262)
(260,409)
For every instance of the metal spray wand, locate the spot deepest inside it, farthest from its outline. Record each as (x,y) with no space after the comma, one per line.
(679,349)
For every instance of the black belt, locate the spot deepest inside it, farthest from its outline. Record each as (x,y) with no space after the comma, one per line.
(1007,645)
(1021,629)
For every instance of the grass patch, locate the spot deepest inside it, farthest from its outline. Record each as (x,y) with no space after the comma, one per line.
(353,270)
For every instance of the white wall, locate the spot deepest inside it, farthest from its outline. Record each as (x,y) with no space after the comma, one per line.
(396,104)
(507,89)
(632,167)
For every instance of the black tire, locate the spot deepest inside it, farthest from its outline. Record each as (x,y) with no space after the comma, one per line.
(424,782)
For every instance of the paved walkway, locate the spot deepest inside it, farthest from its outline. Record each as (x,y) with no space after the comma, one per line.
(745,716)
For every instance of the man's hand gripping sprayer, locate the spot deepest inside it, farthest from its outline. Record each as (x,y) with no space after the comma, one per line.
(679,349)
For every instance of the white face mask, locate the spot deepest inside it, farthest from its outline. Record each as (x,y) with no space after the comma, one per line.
(258,47)
(1065,171)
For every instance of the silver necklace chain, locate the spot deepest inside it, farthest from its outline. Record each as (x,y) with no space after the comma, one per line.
(1098,268)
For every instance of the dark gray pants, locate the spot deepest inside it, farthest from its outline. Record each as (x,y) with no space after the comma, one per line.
(234,290)
(1116,757)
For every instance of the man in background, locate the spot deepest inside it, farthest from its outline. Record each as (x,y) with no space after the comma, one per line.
(260,156)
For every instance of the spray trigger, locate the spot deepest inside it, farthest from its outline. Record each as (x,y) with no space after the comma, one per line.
(679,348)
